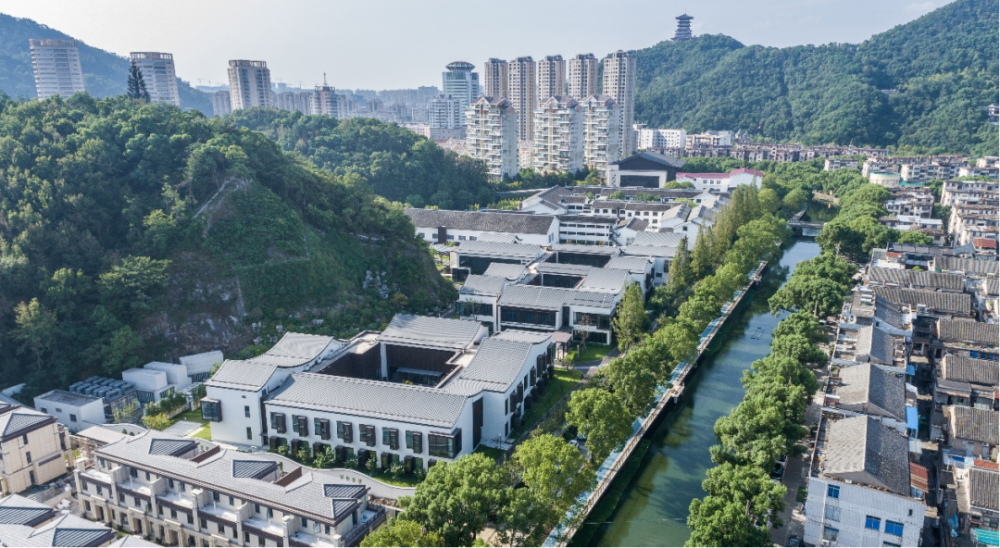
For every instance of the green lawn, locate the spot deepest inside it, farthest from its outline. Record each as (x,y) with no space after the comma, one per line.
(491,452)
(195,416)
(593,352)
(562,383)
(205,433)
(406,480)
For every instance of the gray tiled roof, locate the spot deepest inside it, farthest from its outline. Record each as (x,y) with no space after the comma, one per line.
(490,286)
(971,370)
(960,303)
(604,279)
(970,423)
(505,270)
(253,468)
(916,278)
(635,265)
(19,510)
(516,223)
(242,374)
(882,460)
(533,337)
(658,239)
(588,249)
(497,364)
(403,402)
(171,447)
(428,331)
(306,496)
(553,298)
(971,266)
(984,488)
(20,419)
(888,312)
(295,349)
(876,343)
(66,530)
(991,286)
(498,249)
(875,385)
(558,268)
(986,334)
(650,250)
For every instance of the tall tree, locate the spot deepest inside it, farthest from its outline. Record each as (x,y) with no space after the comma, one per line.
(401,532)
(630,322)
(602,418)
(136,85)
(702,258)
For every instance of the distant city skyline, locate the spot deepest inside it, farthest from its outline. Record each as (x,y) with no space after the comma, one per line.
(306,38)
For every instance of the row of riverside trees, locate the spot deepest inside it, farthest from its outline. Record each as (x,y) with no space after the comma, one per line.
(741,500)
(527,496)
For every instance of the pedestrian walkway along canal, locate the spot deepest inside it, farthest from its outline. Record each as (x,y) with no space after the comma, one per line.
(652,508)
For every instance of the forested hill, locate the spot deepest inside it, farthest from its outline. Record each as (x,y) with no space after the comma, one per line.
(923,86)
(399,164)
(105,74)
(131,232)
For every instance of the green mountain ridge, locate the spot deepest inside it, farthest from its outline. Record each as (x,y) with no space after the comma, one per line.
(105,74)
(923,86)
(134,232)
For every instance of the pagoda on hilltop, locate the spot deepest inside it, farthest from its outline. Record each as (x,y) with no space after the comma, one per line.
(683,28)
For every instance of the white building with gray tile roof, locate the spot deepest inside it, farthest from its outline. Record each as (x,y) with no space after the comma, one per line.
(443,226)
(859,487)
(188,492)
(872,390)
(75,411)
(586,313)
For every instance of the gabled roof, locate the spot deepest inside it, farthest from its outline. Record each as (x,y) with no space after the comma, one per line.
(16,421)
(66,530)
(515,223)
(408,329)
(957,303)
(634,265)
(498,249)
(489,286)
(388,400)
(873,385)
(979,333)
(659,239)
(875,342)
(881,460)
(984,488)
(242,374)
(971,370)
(971,423)
(295,349)
(496,366)
(971,266)
(505,270)
(604,279)
(554,298)
(917,279)
(649,160)
(18,510)
(608,250)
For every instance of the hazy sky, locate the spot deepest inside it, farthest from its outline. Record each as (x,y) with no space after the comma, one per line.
(382,44)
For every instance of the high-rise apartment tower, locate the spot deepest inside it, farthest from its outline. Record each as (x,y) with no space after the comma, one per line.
(159,76)
(249,84)
(619,83)
(558,141)
(491,135)
(583,75)
(600,132)
(551,77)
(461,84)
(523,90)
(495,78)
(57,67)
(222,104)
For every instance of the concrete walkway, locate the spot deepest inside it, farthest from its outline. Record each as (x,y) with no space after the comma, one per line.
(183,428)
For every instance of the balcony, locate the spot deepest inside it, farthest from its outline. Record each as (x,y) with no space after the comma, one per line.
(370,520)
(265,529)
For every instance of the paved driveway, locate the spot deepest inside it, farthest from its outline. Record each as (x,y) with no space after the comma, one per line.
(183,428)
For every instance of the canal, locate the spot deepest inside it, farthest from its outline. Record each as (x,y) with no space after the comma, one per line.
(652,507)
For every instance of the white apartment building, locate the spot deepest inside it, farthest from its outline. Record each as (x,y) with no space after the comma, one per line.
(601,145)
(495,78)
(583,75)
(56,64)
(461,84)
(327,102)
(660,138)
(445,112)
(558,137)
(221,103)
(522,87)
(159,76)
(296,100)
(443,226)
(722,138)
(619,83)
(491,135)
(186,492)
(551,77)
(249,84)
(722,182)
(33,448)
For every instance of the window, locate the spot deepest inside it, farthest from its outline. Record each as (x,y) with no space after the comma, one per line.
(246,411)
(872,522)
(44,410)
(249,433)
(300,425)
(441,445)
(170,483)
(27,456)
(211,410)
(24,439)
(86,505)
(833,491)
(414,441)
(894,528)
(367,434)
(345,431)
(202,523)
(829,533)
(278,422)
(322,428)
(72,417)
(390,438)
(832,513)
